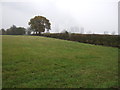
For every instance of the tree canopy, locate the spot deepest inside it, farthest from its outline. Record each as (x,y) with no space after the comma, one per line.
(2,32)
(39,24)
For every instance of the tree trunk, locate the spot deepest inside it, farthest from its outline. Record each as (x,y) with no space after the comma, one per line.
(39,33)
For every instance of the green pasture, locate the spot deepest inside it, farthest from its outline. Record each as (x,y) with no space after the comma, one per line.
(41,62)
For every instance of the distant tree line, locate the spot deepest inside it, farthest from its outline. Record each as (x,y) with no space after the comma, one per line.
(13,30)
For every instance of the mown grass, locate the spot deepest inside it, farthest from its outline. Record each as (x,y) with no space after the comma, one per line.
(40,62)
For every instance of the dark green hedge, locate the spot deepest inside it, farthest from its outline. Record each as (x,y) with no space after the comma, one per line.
(97,39)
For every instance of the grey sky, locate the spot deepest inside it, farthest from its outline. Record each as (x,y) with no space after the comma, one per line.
(94,15)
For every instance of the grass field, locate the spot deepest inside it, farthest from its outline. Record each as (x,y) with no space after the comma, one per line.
(40,62)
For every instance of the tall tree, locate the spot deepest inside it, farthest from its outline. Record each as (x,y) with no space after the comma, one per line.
(2,31)
(39,24)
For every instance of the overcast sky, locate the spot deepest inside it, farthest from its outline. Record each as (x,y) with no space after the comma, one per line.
(96,16)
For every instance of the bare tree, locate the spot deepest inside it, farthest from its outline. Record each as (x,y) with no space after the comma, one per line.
(113,33)
(74,29)
(89,32)
(82,30)
(105,32)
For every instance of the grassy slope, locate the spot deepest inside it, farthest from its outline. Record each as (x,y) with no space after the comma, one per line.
(40,62)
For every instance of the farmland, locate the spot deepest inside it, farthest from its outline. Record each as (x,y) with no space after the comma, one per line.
(41,62)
